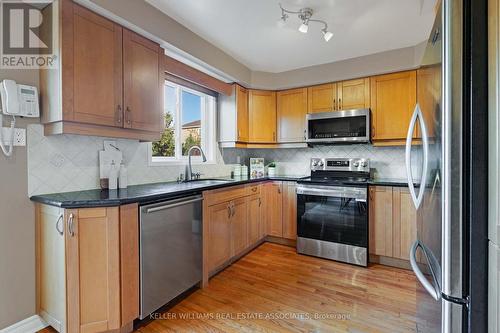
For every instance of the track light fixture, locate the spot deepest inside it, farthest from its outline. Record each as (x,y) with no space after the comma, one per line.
(305,15)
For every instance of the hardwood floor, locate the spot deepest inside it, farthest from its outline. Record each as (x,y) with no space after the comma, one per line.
(273,289)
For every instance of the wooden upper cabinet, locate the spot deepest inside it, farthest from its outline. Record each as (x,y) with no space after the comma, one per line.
(142,82)
(393,99)
(241,114)
(93,270)
(353,94)
(262,116)
(380,242)
(219,235)
(291,115)
(109,81)
(289,210)
(97,77)
(322,98)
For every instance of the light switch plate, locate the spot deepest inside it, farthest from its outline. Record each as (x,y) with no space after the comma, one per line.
(19,136)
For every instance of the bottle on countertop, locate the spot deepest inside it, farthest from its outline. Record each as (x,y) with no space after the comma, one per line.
(113,176)
(123,175)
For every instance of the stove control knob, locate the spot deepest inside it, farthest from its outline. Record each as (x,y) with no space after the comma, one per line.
(315,163)
(356,164)
(364,164)
(320,163)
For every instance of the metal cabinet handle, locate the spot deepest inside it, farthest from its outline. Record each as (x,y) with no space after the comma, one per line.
(334,104)
(127,115)
(228,210)
(305,134)
(60,228)
(233,211)
(260,202)
(340,104)
(119,114)
(71,228)
(417,115)
(254,189)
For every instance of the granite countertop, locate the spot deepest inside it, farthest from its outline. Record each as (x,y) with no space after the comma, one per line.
(142,193)
(147,193)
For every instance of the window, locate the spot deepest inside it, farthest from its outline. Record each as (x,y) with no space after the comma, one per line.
(189,121)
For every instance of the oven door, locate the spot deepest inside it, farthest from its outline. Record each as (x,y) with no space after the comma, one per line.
(332,222)
(338,126)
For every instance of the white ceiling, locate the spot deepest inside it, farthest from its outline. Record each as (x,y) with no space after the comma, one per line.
(249,30)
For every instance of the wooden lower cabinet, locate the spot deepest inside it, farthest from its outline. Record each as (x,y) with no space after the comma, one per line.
(254,216)
(239,230)
(219,233)
(380,221)
(80,271)
(289,205)
(393,222)
(274,213)
(233,217)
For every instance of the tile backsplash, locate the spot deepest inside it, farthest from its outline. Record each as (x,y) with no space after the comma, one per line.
(387,162)
(66,163)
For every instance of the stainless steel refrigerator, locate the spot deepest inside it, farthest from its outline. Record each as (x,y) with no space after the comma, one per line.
(442,164)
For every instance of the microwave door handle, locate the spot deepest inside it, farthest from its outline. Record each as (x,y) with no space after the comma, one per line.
(417,115)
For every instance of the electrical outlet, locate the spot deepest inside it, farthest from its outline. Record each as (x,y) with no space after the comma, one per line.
(19,136)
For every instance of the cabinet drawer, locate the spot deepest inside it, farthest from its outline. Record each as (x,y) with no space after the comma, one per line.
(253,189)
(225,194)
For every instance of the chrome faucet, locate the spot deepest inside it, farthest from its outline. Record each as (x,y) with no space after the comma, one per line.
(189,168)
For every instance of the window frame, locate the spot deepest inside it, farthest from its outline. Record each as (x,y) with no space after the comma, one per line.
(208,112)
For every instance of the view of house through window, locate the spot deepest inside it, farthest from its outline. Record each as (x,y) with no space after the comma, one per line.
(189,121)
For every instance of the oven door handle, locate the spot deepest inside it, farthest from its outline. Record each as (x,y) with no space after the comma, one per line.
(331,193)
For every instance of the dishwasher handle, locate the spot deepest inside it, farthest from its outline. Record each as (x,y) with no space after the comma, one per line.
(174,203)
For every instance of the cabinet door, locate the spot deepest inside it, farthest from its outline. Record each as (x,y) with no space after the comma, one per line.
(95,84)
(404,223)
(142,82)
(393,98)
(239,232)
(274,209)
(353,94)
(254,218)
(380,228)
(50,266)
(289,210)
(242,113)
(322,98)
(262,116)
(219,235)
(93,269)
(291,115)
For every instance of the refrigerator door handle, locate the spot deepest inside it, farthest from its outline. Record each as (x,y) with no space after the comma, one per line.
(436,294)
(417,115)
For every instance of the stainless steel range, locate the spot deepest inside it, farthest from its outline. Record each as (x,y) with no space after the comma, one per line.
(332,210)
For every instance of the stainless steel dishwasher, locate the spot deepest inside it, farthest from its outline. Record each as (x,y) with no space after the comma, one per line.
(170,250)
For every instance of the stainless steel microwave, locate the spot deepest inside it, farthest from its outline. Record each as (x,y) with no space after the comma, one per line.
(348,126)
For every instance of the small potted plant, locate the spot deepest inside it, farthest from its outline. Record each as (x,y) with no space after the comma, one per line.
(271,169)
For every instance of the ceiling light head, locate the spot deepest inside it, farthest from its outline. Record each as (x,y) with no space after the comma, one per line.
(327,35)
(304,27)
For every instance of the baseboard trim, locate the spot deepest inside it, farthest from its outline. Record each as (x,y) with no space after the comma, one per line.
(28,325)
